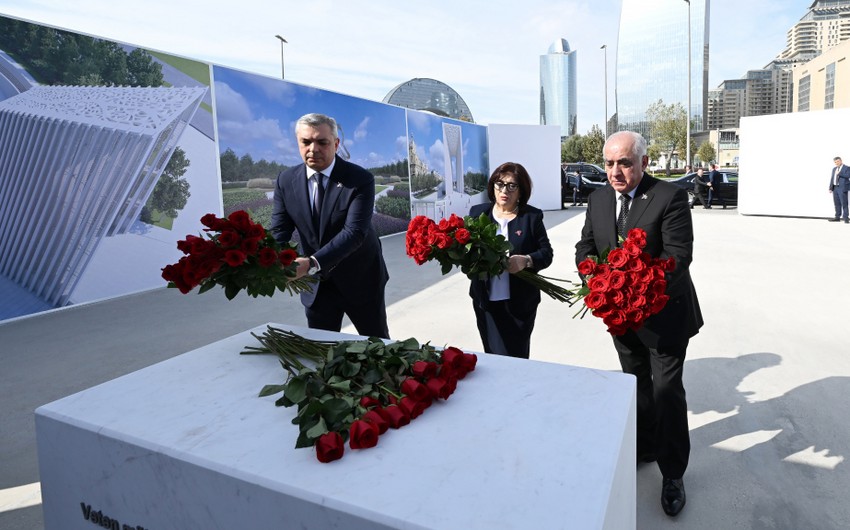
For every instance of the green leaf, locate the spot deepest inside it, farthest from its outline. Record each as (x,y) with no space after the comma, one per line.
(350,369)
(206,286)
(296,389)
(231,290)
(317,430)
(335,409)
(270,390)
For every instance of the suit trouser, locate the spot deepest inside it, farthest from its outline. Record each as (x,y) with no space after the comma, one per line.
(839,197)
(662,411)
(369,317)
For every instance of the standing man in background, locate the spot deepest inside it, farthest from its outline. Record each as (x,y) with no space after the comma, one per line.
(330,201)
(839,185)
(714,181)
(655,353)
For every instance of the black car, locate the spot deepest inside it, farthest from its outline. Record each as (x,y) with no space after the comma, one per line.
(698,193)
(586,188)
(589,171)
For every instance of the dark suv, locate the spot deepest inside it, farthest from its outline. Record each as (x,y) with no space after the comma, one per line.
(588,171)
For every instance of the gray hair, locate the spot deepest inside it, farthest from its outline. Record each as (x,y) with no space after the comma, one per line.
(315,119)
(638,142)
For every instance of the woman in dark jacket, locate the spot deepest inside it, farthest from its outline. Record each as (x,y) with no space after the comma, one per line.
(505,306)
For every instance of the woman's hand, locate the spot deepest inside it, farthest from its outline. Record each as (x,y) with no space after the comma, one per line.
(517,263)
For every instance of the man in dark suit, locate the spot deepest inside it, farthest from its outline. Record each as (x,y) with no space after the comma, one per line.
(330,202)
(839,185)
(715,179)
(655,353)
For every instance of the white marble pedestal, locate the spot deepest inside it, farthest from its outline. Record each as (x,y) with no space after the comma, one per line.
(187,444)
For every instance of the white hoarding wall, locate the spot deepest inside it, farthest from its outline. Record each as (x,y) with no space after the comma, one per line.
(538,149)
(786,160)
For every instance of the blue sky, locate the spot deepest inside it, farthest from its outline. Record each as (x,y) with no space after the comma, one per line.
(486,50)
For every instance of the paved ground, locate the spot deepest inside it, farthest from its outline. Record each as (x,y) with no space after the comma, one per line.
(767,378)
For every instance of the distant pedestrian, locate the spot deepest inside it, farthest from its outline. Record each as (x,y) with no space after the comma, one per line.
(701,188)
(839,185)
(715,179)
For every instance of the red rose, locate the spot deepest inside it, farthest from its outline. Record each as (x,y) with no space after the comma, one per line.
(444,225)
(452,356)
(669,264)
(234,258)
(601,269)
(444,242)
(586,267)
(599,283)
(241,220)
(456,221)
(209,220)
(256,230)
(618,257)
(617,279)
(424,369)
(470,360)
(329,447)
(438,387)
(636,264)
(267,257)
(413,407)
(415,389)
(595,299)
(659,303)
(631,248)
(368,402)
(250,246)
(363,435)
(462,235)
(374,417)
(287,256)
(395,416)
(228,239)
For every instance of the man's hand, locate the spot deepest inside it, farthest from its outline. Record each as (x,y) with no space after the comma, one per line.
(303,267)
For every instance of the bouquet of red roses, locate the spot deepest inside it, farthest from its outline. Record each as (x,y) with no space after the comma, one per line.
(473,245)
(357,390)
(625,286)
(237,254)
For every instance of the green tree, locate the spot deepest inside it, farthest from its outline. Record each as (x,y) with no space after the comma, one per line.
(571,149)
(142,70)
(229,164)
(653,152)
(171,191)
(592,145)
(706,152)
(667,128)
(246,167)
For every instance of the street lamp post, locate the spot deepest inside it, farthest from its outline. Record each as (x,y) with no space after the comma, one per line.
(688,113)
(282,42)
(605,50)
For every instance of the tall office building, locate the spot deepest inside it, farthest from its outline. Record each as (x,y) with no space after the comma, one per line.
(652,60)
(430,95)
(558,88)
(825,24)
(771,90)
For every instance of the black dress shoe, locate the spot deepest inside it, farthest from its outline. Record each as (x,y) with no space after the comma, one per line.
(672,496)
(834,220)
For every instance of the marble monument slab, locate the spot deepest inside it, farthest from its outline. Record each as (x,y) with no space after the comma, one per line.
(186,443)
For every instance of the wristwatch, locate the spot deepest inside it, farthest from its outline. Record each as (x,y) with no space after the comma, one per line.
(314,266)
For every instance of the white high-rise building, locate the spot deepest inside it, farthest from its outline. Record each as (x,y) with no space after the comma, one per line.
(558,88)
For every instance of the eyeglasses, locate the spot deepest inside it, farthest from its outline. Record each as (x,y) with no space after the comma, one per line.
(510,186)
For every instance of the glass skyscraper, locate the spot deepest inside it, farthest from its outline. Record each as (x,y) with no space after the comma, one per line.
(652,60)
(558,88)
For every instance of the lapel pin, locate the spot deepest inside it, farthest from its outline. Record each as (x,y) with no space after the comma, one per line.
(643,197)
(519,232)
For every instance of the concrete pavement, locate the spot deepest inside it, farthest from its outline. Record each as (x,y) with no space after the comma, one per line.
(767,377)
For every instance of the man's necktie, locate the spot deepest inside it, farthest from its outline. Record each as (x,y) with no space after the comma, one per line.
(318,197)
(624,214)
(835,175)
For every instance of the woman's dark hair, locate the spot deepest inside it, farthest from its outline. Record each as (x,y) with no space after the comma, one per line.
(522,178)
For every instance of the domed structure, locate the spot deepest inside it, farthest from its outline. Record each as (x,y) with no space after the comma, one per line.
(430,95)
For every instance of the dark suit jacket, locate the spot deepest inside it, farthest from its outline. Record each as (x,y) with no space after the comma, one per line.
(661,209)
(715,179)
(346,247)
(527,236)
(843,178)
